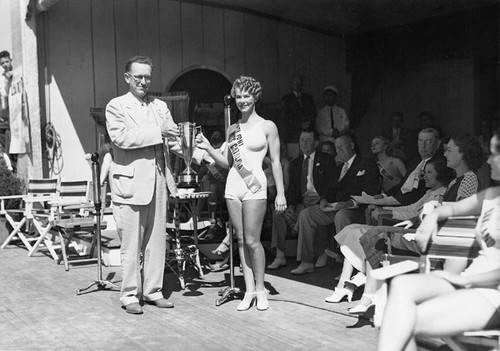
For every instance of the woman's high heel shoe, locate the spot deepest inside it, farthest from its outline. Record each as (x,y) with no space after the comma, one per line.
(247,301)
(262,302)
(339,294)
(365,303)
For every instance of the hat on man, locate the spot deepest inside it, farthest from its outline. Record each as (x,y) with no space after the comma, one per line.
(331,88)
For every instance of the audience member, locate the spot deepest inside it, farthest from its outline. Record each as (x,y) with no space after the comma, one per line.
(357,174)
(327,147)
(391,169)
(400,138)
(437,177)
(442,303)
(297,112)
(485,136)
(331,120)
(412,187)
(6,159)
(309,175)
(5,82)
(428,120)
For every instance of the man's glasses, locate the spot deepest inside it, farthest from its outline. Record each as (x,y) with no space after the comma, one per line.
(138,79)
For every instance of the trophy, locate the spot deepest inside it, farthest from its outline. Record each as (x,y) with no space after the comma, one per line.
(187,132)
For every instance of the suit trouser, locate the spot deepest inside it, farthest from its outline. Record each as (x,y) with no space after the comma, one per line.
(312,217)
(280,227)
(141,229)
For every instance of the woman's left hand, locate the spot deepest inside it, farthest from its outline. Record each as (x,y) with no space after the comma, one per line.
(280,203)
(202,142)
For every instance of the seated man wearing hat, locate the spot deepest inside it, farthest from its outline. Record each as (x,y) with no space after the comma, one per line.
(331,120)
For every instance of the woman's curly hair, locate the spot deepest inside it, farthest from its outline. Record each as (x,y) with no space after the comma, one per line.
(471,151)
(248,84)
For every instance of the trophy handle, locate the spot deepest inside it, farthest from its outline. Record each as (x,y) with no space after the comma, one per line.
(197,130)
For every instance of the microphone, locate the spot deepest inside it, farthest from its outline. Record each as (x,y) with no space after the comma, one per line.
(228,99)
(96,189)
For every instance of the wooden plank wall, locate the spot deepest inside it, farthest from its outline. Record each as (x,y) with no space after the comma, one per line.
(88,42)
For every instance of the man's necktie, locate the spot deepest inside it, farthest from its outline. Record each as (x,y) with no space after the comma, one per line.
(299,99)
(413,179)
(344,170)
(303,176)
(331,118)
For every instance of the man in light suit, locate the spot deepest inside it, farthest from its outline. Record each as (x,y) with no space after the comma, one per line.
(143,133)
(355,175)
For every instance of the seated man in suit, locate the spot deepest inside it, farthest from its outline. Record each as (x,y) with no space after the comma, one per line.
(357,174)
(308,176)
(412,187)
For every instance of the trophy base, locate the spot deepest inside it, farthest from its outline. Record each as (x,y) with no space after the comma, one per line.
(188,181)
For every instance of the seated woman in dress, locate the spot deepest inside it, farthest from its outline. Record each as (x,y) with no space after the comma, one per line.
(392,169)
(441,303)
(462,156)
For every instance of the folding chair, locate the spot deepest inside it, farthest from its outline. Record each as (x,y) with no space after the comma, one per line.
(39,191)
(72,200)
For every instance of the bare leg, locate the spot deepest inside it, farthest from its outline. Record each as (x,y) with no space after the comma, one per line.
(476,312)
(235,209)
(400,316)
(253,216)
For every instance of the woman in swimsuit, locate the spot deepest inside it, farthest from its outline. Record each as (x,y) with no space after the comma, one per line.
(249,140)
(391,169)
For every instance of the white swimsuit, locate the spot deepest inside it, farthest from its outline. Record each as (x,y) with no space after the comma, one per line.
(255,148)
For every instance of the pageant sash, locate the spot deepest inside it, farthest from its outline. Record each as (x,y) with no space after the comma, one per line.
(236,146)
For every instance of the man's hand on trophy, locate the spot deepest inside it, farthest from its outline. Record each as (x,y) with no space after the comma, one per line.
(169,130)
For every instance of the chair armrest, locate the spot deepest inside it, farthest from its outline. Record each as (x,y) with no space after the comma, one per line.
(10,197)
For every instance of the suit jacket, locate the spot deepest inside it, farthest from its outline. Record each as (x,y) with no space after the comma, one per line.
(133,170)
(362,176)
(412,196)
(323,169)
(293,113)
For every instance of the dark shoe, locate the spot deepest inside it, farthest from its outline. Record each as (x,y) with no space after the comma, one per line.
(133,308)
(161,303)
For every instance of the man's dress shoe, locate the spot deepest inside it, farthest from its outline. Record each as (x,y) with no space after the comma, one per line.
(302,269)
(277,263)
(161,303)
(133,308)
(322,261)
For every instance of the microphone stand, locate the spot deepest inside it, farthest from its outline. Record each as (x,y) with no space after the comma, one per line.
(229,291)
(96,188)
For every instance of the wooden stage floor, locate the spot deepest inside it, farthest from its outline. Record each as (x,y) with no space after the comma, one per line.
(40,310)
